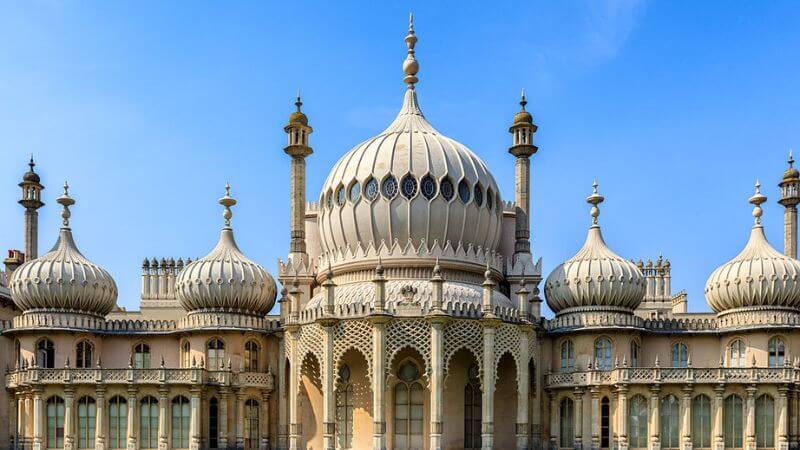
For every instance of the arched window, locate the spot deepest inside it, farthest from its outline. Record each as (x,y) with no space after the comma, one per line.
(602,353)
(55,422)
(732,423)
(605,423)
(765,422)
(408,186)
(84,354)
(428,187)
(478,195)
(635,350)
(186,354)
(680,354)
(118,422)
(148,422)
(216,354)
(344,409)
(389,187)
(45,353)
(472,410)
(567,356)
(251,349)
(213,423)
(87,417)
(371,189)
(446,188)
(17,353)
(637,418)
(567,429)
(141,356)
(251,438)
(670,422)
(701,422)
(777,352)
(408,408)
(736,353)
(463,191)
(181,415)
(355,192)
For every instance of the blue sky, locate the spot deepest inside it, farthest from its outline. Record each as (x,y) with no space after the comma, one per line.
(148,108)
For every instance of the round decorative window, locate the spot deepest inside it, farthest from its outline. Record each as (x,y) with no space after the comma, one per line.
(344,373)
(489,199)
(446,188)
(340,199)
(389,187)
(371,189)
(329,200)
(408,372)
(408,186)
(478,195)
(428,187)
(463,191)
(355,192)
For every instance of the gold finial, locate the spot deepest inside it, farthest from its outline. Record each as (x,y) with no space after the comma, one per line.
(65,201)
(410,65)
(595,199)
(227,201)
(757,199)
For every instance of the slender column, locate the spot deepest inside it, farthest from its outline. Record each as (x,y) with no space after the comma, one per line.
(163,442)
(222,424)
(100,419)
(69,413)
(22,413)
(437,382)
(554,431)
(789,231)
(613,407)
(378,382)
(294,392)
(263,422)
(12,420)
(719,441)
(239,419)
(194,424)
(38,418)
(595,392)
(793,413)
(578,392)
(655,425)
(328,394)
(622,416)
(523,389)
(133,405)
(783,418)
(487,406)
(686,419)
(750,444)
(282,428)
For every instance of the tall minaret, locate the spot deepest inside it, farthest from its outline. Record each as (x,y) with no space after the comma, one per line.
(298,130)
(522,148)
(31,200)
(790,197)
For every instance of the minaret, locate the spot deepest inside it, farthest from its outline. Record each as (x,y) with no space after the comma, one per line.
(790,197)
(32,201)
(522,148)
(298,130)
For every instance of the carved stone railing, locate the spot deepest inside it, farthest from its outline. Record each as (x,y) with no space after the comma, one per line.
(673,375)
(462,311)
(36,376)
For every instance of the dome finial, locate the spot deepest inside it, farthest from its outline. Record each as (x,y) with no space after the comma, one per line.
(790,160)
(298,102)
(410,65)
(522,100)
(32,164)
(757,199)
(227,201)
(65,201)
(595,199)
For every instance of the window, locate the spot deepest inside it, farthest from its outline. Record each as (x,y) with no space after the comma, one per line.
(489,199)
(701,422)
(446,188)
(765,422)
(251,349)
(17,353)
(371,189)
(428,187)
(355,192)
(148,422)
(408,409)
(389,187)
(408,186)
(478,195)
(637,418)
(635,350)
(329,200)
(472,410)
(118,422)
(605,423)
(45,353)
(777,352)
(87,417)
(670,422)
(340,197)
(251,438)
(463,191)
(736,352)
(186,354)
(83,355)
(567,431)
(567,356)
(216,354)
(55,422)
(141,356)
(680,355)
(602,353)
(213,423)
(732,421)
(181,414)
(344,409)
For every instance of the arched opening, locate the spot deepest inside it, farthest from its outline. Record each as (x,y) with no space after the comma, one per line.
(148,422)
(87,417)
(637,418)
(473,409)
(462,402)
(83,354)
(505,403)
(213,423)
(215,349)
(45,353)
(777,352)
(141,356)
(181,416)
(251,424)
(309,401)
(733,409)
(186,354)
(670,422)
(566,414)
(409,407)
(701,422)
(353,402)
(55,422)
(118,422)
(251,356)
(765,422)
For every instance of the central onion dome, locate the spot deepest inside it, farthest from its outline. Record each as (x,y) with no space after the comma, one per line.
(63,280)
(596,278)
(758,278)
(225,280)
(410,184)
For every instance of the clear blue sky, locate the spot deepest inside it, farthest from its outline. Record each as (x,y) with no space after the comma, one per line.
(147,108)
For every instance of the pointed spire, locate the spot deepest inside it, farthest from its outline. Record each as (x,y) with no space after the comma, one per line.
(595,199)
(410,65)
(298,102)
(522,100)
(32,164)
(757,199)
(227,201)
(65,201)
(790,160)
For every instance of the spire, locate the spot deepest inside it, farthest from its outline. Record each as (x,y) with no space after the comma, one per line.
(65,201)
(522,100)
(32,164)
(227,201)
(298,102)
(595,199)
(757,199)
(410,65)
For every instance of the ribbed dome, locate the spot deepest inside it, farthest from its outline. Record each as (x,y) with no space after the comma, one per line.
(595,278)
(225,280)
(758,277)
(63,280)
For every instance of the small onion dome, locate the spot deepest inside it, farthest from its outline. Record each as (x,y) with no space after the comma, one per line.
(63,280)
(791,173)
(758,277)
(523,116)
(298,116)
(595,279)
(30,176)
(225,280)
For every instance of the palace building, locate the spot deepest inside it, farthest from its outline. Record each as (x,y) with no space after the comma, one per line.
(409,317)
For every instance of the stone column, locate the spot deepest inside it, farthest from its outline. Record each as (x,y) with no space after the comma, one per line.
(783,418)
(437,381)
(69,414)
(222,423)
(554,422)
(719,440)
(263,421)
(789,231)
(38,418)
(239,419)
(328,391)
(22,438)
(793,417)
(490,325)
(613,406)
(294,391)
(100,419)
(595,393)
(578,421)
(194,422)
(282,427)
(622,416)
(132,414)
(378,382)
(163,439)
(686,419)
(750,434)
(523,389)
(655,423)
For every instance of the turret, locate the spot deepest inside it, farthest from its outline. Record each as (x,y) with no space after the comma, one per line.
(298,131)
(31,200)
(522,148)
(790,197)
